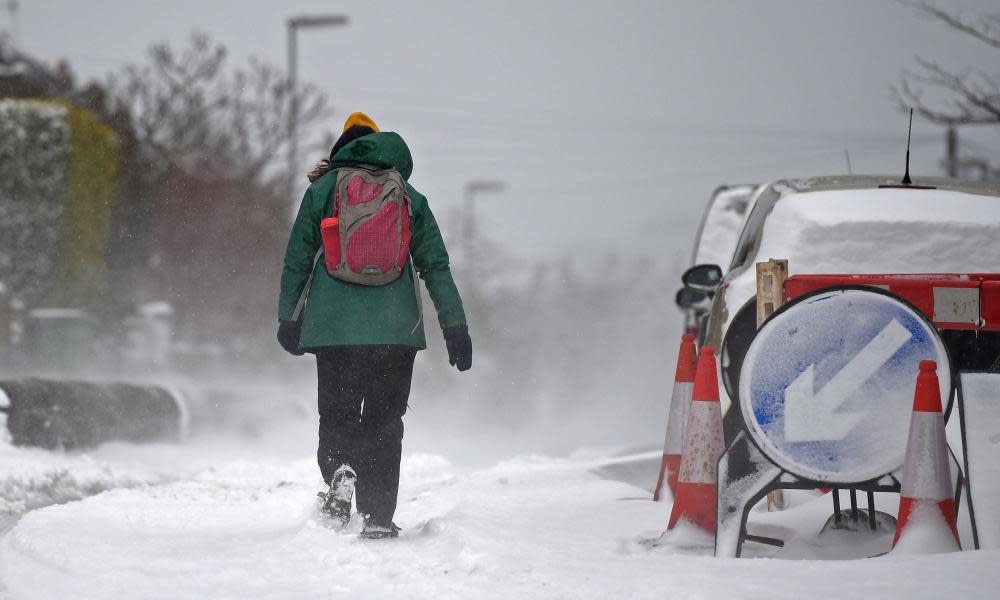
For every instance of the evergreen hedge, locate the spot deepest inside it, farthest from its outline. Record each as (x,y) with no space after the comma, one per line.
(34,152)
(59,170)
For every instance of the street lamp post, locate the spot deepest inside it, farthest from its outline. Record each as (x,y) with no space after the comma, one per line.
(294,24)
(13,7)
(468,229)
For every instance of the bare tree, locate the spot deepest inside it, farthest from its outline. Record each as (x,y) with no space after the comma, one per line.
(192,113)
(971,96)
(956,96)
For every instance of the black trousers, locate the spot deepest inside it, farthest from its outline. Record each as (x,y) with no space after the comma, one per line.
(362,398)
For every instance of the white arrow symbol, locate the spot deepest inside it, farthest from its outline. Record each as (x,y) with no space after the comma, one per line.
(815,417)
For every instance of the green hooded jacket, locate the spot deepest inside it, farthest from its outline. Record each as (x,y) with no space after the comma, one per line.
(347,314)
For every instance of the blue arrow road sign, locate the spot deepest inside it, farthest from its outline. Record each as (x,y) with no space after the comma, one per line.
(827,384)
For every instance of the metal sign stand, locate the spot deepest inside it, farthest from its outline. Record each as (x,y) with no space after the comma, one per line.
(965,447)
(744,468)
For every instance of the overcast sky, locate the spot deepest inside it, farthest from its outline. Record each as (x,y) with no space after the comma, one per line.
(610,122)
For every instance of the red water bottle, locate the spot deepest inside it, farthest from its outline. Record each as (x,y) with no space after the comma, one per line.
(330,230)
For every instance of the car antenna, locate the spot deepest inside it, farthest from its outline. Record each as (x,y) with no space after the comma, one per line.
(907,183)
(906,175)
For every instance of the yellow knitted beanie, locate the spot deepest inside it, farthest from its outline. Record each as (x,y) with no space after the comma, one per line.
(360,118)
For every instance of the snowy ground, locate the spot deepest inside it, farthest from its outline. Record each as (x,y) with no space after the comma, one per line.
(206,520)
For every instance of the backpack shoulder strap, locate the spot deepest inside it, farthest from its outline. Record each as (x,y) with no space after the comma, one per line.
(304,296)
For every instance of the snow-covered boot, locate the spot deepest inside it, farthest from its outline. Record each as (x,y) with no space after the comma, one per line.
(378,531)
(337,501)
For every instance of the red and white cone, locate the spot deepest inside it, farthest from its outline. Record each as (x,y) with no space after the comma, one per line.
(927,518)
(703,445)
(680,399)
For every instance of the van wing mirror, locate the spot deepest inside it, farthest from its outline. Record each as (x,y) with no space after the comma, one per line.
(689,297)
(702,277)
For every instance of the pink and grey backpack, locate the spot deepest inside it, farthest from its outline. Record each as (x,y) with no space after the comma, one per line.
(367,240)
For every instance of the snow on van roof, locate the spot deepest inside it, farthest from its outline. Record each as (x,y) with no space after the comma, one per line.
(856,182)
(884,231)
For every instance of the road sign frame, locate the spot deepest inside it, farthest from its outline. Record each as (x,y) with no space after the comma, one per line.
(737,463)
(759,438)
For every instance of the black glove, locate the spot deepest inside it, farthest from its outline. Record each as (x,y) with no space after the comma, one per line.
(288,336)
(459,346)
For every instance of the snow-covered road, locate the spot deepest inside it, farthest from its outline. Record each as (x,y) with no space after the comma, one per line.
(527,527)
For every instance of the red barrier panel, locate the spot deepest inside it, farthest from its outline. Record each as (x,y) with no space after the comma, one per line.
(989,305)
(950,300)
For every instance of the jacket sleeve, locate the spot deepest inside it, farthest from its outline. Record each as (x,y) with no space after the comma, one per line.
(430,258)
(300,253)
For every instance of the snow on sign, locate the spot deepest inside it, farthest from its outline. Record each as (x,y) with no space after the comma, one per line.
(827,384)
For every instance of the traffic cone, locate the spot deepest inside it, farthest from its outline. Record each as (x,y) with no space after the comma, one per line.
(680,398)
(703,445)
(926,496)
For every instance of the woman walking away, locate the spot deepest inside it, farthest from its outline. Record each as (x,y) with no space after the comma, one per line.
(349,295)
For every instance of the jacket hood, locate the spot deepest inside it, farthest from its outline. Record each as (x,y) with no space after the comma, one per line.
(384,150)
